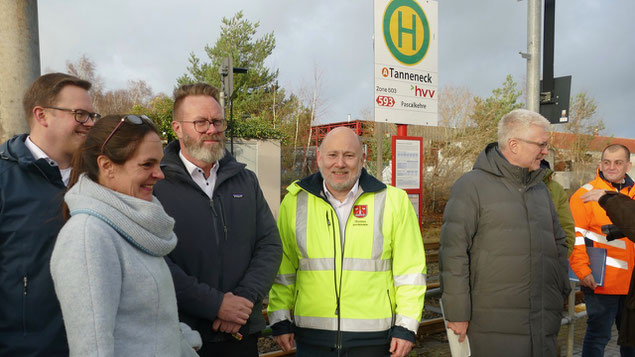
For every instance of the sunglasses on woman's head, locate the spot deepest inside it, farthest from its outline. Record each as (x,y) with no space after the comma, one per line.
(130,118)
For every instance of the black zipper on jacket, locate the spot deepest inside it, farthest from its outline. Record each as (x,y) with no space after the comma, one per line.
(211,204)
(338,343)
(392,313)
(222,215)
(24,293)
(222,218)
(218,243)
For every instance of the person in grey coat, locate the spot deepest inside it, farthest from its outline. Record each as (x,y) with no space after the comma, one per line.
(113,284)
(503,254)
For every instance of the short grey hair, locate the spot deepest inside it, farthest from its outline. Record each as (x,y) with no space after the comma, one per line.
(516,123)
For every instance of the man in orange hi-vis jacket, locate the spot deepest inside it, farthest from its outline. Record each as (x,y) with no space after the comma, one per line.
(603,303)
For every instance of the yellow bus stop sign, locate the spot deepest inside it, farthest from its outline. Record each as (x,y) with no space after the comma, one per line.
(406,31)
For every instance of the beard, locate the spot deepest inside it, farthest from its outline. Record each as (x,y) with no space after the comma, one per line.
(197,149)
(342,186)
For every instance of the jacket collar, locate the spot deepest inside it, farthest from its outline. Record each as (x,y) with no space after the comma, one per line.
(544,164)
(628,181)
(15,150)
(313,183)
(173,166)
(492,160)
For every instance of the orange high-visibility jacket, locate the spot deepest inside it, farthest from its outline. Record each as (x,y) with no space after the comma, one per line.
(589,218)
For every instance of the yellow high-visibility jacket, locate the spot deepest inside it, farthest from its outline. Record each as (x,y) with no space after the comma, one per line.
(352,295)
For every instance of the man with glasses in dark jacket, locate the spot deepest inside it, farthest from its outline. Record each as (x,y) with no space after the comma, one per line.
(229,249)
(503,254)
(34,172)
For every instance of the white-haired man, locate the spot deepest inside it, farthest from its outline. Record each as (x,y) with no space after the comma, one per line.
(503,255)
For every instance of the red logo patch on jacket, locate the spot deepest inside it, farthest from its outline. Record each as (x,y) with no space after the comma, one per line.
(360,211)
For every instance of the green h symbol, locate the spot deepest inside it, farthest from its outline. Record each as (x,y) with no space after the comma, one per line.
(412,31)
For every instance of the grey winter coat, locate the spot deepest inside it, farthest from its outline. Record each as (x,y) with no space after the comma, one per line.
(114,287)
(503,259)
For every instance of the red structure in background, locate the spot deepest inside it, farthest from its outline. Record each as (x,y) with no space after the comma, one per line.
(318,132)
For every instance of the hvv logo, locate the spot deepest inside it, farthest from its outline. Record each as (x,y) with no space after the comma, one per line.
(420,92)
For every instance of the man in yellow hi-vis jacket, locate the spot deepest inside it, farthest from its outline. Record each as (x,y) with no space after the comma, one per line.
(352,279)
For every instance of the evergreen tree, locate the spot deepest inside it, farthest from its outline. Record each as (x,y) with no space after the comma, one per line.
(259,104)
(488,112)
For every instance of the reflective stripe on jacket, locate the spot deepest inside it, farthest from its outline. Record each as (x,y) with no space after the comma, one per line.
(378,277)
(589,218)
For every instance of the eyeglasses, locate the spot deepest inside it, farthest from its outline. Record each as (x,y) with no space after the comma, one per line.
(130,118)
(542,146)
(202,126)
(80,115)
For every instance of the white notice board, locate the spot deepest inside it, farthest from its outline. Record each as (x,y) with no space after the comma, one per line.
(407,164)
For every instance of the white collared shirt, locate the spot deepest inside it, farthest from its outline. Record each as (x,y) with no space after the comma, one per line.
(197,174)
(343,209)
(40,154)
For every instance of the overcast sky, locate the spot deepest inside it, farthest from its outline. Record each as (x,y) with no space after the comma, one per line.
(479,42)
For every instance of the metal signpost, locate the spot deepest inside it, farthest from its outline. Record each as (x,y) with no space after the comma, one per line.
(554,92)
(406,79)
(226,71)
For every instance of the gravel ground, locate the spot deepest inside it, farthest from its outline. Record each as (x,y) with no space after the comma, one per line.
(430,346)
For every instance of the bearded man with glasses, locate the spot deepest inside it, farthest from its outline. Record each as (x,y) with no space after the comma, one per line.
(34,171)
(229,249)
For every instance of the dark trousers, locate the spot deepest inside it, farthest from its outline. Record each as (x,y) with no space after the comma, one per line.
(306,350)
(247,347)
(602,312)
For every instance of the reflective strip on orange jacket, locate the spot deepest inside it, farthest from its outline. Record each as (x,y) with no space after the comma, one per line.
(589,218)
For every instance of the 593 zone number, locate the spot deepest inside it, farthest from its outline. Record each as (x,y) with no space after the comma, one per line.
(385,101)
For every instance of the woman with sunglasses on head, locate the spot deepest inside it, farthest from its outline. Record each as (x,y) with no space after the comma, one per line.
(114,287)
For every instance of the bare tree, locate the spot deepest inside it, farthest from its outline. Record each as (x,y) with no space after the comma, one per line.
(456,105)
(296,116)
(116,101)
(86,69)
(317,107)
(584,124)
(467,124)
(140,92)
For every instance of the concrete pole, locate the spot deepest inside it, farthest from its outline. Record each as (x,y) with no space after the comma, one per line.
(534,21)
(20,59)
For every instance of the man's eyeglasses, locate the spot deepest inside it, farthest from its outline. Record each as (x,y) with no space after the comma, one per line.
(80,115)
(202,125)
(542,146)
(130,118)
